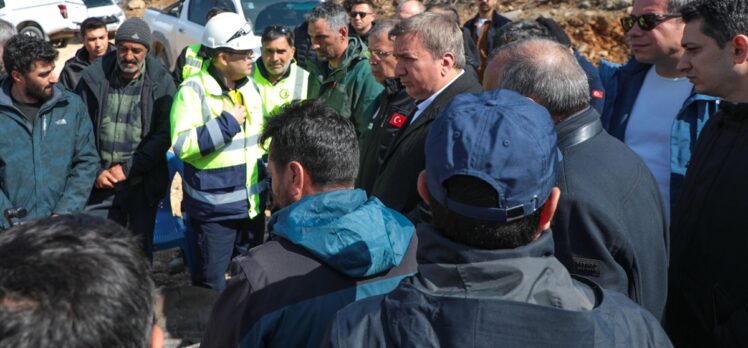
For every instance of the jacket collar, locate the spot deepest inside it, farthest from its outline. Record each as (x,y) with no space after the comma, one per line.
(578,128)
(392,86)
(526,274)
(102,68)
(354,52)
(260,65)
(6,100)
(633,67)
(736,110)
(219,80)
(81,55)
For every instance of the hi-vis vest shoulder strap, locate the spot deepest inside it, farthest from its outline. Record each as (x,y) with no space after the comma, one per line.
(193,63)
(292,88)
(223,168)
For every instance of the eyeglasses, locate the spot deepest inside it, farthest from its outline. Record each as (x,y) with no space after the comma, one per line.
(246,29)
(249,54)
(379,54)
(360,14)
(647,21)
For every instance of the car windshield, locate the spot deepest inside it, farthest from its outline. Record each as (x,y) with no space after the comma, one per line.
(98,3)
(263,13)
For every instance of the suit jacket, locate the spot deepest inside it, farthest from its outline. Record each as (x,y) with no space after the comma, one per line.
(610,224)
(395,185)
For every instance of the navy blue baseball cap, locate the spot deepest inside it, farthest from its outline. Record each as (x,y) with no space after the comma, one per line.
(502,138)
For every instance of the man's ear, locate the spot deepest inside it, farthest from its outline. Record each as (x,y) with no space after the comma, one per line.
(448,62)
(343,31)
(16,76)
(549,210)
(740,49)
(296,180)
(423,191)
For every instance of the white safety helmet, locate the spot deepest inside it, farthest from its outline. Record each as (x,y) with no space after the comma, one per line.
(230,30)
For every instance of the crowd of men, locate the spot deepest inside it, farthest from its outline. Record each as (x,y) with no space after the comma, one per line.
(371,181)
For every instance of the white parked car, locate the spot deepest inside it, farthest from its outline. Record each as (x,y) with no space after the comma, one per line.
(108,11)
(58,21)
(182,23)
(53,20)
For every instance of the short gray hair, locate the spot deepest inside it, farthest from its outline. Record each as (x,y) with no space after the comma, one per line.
(333,14)
(383,27)
(545,71)
(6,31)
(439,33)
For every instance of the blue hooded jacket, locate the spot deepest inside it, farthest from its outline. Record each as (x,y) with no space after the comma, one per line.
(329,249)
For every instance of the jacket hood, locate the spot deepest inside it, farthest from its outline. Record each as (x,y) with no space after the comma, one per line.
(356,51)
(528,273)
(356,236)
(6,100)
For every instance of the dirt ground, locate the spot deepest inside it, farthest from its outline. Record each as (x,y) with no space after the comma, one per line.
(591,24)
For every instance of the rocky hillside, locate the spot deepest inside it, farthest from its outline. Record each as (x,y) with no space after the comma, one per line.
(592,24)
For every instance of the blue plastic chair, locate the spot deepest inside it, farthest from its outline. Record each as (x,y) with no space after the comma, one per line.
(171,231)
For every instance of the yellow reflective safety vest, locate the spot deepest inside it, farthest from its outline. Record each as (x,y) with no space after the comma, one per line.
(221,170)
(193,63)
(292,87)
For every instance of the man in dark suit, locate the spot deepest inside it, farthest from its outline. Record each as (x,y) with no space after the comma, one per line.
(430,65)
(610,224)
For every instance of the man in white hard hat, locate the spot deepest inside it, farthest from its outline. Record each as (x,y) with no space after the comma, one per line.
(215,120)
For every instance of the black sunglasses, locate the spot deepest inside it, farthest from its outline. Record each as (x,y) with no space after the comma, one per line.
(647,21)
(361,14)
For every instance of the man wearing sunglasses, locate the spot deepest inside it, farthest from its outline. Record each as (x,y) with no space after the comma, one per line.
(340,77)
(708,292)
(362,18)
(650,105)
(215,121)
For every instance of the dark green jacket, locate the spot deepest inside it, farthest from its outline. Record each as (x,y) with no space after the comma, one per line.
(350,88)
(48,168)
(149,160)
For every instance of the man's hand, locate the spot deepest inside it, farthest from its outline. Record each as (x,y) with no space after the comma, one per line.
(106,180)
(117,172)
(236,110)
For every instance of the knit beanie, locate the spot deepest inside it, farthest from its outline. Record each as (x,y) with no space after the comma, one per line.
(134,29)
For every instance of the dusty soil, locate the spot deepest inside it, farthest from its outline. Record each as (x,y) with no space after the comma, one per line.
(591,24)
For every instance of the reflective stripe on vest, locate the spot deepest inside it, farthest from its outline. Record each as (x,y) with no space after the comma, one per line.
(193,63)
(196,126)
(291,88)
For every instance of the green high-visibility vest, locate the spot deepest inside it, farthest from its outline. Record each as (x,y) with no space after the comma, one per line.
(193,63)
(291,88)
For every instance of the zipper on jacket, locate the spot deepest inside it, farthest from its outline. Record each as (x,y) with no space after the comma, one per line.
(44,125)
